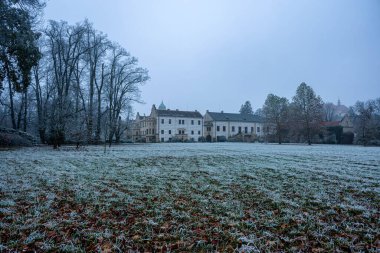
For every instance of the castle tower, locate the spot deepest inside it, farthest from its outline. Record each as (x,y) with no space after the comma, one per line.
(162,106)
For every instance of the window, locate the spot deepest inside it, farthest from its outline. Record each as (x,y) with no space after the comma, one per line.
(209,129)
(162,121)
(224,128)
(162,139)
(192,122)
(199,122)
(192,132)
(162,131)
(233,129)
(152,131)
(251,129)
(137,132)
(179,122)
(170,121)
(181,131)
(199,132)
(183,122)
(218,128)
(258,129)
(170,131)
(246,129)
(239,130)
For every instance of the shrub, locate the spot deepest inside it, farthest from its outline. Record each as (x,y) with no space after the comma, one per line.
(13,140)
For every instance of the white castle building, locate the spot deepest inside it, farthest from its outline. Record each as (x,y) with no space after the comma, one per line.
(163,125)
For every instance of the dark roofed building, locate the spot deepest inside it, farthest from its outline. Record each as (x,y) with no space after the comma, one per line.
(237,117)
(346,123)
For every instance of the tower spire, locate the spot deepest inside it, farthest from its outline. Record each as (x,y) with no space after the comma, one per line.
(162,106)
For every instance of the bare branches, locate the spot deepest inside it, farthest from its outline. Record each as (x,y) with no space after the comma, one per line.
(90,76)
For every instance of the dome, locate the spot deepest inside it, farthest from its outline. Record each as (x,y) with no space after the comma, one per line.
(162,106)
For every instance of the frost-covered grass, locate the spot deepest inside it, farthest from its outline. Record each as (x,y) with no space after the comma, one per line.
(191,197)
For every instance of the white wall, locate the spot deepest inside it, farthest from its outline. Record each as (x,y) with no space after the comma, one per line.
(257,128)
(252,128)
(175,126)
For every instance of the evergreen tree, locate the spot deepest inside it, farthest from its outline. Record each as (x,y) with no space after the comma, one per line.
(246,108)
(18,42)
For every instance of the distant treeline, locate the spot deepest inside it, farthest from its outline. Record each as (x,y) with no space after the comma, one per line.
(308,119)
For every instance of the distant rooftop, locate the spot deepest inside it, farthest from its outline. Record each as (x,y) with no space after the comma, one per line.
(222,116)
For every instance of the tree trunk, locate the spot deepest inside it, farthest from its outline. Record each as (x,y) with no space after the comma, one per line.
(13,118)
(41,121)
(25,110)
(99,119)
(90,124)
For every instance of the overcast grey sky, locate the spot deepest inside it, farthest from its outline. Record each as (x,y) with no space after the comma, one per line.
(216,54)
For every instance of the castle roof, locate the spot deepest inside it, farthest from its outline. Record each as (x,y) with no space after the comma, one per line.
(236,117)
(177,113)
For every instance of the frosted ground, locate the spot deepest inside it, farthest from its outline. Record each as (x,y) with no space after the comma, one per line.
(191,197)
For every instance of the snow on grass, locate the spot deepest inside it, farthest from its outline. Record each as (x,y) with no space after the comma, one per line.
(191,197)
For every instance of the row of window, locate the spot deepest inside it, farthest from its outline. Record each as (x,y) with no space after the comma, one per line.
(170,139)
(233,129)
(180,121)
(149,131)
(180,131)
(146,124)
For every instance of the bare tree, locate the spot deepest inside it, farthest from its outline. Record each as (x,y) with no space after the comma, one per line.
(65,50)
(122,86)
(329,111)
(308,110)
(276,114)
(364,115)
(97,44)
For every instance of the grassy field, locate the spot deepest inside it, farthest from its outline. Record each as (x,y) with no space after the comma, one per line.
(191,197)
